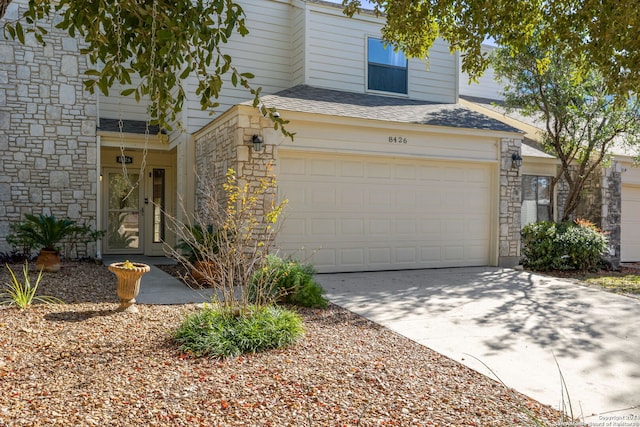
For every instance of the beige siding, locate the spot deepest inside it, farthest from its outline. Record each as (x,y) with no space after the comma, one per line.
(298,40)
(486,87)
(295,43)
(115,106)
(336,135)
(336,51)
(630,221)
(265,52)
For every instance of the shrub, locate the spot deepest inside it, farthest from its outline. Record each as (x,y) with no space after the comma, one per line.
(229,236)
(217,332)
(47,232)
(23,293)
(287,281)
(569,245)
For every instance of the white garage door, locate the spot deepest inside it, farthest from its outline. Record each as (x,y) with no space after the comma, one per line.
(630,224)
(361,213)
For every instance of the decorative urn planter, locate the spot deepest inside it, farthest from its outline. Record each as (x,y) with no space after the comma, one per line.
(129,275)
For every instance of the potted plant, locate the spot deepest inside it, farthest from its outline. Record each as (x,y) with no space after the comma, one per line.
(45,232)
(198,246)
(128,274)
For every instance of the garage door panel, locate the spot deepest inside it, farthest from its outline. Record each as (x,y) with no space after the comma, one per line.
(408,226)
(378,170)
(350,169)
(351,196)
(405,172)
(407,255)
(379,198)
(381,227)
(293,166)
(379,256)
(322,167)
(354,226)
(383,215)
(322,259)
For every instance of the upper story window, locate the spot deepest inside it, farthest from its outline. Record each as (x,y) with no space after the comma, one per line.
(386,69)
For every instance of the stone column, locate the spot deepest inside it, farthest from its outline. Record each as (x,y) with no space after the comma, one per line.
(510,204)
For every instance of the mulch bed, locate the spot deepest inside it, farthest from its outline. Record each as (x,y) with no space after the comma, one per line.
(83,364)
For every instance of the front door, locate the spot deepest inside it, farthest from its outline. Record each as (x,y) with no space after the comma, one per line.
(135,211)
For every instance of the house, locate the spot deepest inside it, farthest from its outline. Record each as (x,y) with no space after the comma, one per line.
(387,169)
(611,198)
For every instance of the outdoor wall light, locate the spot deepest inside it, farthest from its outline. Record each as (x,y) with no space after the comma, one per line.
(257,142)
(516,160)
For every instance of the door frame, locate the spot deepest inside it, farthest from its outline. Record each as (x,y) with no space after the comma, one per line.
(146,245)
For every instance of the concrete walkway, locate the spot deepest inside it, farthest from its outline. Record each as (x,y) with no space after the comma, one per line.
(514,322)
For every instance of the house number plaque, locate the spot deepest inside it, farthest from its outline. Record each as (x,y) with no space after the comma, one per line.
(127,160)
(397,140)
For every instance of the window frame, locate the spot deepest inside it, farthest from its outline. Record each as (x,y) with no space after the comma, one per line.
(389,66)
(551,199)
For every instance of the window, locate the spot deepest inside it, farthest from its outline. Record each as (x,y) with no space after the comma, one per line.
(536,198)
(386,69)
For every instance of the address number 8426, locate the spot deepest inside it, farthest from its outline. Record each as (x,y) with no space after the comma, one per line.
(397,140)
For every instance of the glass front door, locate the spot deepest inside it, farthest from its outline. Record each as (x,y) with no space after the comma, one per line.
(135,211)
(124,213)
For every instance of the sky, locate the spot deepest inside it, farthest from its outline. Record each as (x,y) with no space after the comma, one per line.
(365,4)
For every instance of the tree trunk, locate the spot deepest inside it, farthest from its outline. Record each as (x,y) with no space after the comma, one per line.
(4,4)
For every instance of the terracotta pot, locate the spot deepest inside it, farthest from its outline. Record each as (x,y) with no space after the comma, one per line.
(48,261)
(205,273)
(128,283)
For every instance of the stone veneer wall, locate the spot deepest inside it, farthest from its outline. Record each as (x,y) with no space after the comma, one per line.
(612,209)
(601,203)
(510,205)
(48,145)
(227,144)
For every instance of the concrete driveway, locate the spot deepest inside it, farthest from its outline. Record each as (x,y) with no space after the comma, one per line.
(514,322)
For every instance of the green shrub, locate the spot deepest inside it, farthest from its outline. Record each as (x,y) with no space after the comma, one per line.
(217,332)
(570,245)
(286,281)
(23,293)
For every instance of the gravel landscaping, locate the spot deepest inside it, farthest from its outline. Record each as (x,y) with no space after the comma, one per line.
(83,364)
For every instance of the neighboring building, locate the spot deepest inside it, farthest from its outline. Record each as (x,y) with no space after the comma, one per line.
(387,170)
(612,196)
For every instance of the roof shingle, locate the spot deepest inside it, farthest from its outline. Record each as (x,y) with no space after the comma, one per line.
(308,99)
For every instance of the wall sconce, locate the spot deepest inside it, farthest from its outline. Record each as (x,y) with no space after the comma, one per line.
(516,160)
(257,142)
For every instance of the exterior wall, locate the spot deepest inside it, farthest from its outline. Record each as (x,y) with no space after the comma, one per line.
(486,87)
(612,210)
(510,205)
(299,39)
(336,51)
(48,144)
(225,144)
(601,203)
(591,201)
(266,52)
(304,42)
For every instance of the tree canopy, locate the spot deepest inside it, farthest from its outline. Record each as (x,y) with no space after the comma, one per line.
(162,41)
(581,122)
(602,33)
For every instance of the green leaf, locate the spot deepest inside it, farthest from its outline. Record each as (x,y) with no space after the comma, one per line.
(19,32)
(127,92)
